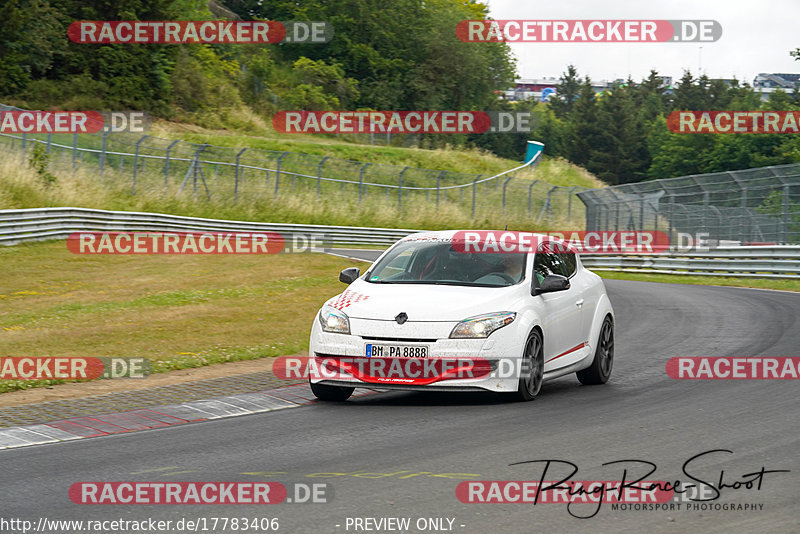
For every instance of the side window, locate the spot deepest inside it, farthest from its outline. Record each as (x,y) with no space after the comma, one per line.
(558,264)
(546,263)
(570,263)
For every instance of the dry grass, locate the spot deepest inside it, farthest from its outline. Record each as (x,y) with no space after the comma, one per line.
(178,311)
(21,187)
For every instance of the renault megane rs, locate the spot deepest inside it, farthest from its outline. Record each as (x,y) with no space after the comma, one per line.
(429,314)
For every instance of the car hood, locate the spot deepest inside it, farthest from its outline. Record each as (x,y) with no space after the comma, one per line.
(423,302)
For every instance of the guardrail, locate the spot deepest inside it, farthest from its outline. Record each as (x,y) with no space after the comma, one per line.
(778,261)
(39,224)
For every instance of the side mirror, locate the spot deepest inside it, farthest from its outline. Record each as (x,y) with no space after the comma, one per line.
(551,283)
(349,275)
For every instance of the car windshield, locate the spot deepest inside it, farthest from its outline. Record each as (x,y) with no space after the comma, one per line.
(437,262)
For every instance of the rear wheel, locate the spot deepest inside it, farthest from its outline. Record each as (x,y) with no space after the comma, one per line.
(331,393)
(600,370)
(530,380)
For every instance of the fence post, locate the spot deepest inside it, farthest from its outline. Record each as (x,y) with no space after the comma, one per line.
(548,207)
(400,187)
(671,215)
(438,186)
(166,165)
(361,180)
(278,172)
(236,177)
(136,162)
(400,194)
(74,150)
(319,175)
(474,192)
(505,184)
(641,212)
(785,215)
(569,203)
(103,152)
(530,196)
(24,143)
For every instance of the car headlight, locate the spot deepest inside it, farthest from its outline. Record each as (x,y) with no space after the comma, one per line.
(482,325)
(333,320)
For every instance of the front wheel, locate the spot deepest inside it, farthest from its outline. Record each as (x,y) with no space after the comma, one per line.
(331,393)
(600,370)
(532,372)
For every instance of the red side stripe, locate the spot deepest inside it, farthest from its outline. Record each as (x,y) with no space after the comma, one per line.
(573,349)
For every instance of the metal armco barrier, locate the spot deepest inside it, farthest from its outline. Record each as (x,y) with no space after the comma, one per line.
(779,261)
(39,224)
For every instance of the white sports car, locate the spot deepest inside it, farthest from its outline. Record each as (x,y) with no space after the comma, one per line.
(430,315)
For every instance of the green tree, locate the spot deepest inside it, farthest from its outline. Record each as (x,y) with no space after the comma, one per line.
(620,152)
(582,130)
(569,87)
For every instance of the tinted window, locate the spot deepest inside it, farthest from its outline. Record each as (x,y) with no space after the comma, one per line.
(546,263)
(570,263)
(437,262)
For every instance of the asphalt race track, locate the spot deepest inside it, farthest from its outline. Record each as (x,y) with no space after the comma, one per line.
(385,455)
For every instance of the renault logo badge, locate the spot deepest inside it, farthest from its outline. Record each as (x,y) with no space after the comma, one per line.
(401,318)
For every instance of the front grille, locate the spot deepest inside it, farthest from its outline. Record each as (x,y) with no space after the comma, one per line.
(324,355)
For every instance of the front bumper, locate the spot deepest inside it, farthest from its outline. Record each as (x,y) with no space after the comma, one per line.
(457,364)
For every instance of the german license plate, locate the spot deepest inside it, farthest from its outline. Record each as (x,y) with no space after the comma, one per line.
(375,350)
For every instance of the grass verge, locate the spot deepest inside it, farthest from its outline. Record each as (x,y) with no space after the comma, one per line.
(177,311)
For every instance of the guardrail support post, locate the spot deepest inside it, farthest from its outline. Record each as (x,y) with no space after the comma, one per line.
(49,141)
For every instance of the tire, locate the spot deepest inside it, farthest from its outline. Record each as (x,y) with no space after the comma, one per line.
(600,370)
(530,381)
(331,393)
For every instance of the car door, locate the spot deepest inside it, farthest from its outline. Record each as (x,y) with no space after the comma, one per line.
(561,317)
(585,300)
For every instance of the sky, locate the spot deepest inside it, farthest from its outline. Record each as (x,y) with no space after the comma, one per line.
(756,37)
